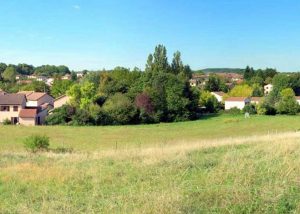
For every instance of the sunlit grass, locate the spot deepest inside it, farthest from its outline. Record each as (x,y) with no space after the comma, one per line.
(215,172)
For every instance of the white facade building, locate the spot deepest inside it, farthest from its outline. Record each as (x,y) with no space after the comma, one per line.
(268,88)
(236,102)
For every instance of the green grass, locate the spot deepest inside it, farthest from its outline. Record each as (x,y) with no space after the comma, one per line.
(101,138)
(205,166)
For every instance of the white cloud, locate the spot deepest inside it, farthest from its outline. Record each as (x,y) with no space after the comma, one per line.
(76,7)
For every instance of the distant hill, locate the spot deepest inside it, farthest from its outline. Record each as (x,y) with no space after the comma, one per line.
(221,70)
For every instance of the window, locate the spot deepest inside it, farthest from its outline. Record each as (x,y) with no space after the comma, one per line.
(4,108)
(14,120)
(16,108)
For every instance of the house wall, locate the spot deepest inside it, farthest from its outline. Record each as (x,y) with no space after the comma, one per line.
(233,104)
(27,121)
(62,101)
(8,115)
(268,88)
(42,115)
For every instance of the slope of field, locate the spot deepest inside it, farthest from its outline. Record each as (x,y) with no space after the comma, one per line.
(101,138)
(219,165)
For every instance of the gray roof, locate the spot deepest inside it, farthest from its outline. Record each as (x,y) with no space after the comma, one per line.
(12,99)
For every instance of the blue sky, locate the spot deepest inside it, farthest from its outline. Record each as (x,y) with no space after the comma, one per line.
(96,34)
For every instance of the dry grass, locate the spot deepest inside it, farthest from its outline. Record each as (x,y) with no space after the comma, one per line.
(255,174)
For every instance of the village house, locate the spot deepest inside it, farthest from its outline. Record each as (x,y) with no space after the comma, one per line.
(25,108)
(50,81)
(218,95)
(194,82)
(268,88)
(79,74)
(255,100)
(10,107)
(66,77)
(36,99)
(60,101)
(236,102)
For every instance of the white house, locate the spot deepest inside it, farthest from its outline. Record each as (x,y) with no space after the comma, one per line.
(268,88)
(219,95)
(194,82)
(50,81)
(236,102)
(298,99)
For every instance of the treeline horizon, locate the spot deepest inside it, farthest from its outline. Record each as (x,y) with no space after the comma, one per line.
(51,70)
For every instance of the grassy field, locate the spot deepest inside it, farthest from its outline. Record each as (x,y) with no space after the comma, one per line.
(224,164)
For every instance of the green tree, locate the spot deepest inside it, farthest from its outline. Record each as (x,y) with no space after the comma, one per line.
(75,94)
(287,103)
(208,101)
(249,73)
(25,69)
(120,109)
(37,86)
(158,62)
(257,90)
(9,74)
(241,91)
(3,66)
(215,83)
(177,65)
(60,87)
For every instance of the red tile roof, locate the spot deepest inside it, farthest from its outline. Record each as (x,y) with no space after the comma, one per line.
(12,99)
(32,96)
(35,96)
(28,113)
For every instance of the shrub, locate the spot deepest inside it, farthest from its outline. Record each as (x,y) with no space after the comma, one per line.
(36,143)
(234,111)
(6,122)
(287,103)
(208,101)
(249,108)
(61,116)
(265,107)
(120,109)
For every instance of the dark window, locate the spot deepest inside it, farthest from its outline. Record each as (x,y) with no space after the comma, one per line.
(16,108)
(14,120)
(4,108)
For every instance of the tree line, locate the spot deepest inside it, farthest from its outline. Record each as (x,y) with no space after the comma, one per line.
(161,93)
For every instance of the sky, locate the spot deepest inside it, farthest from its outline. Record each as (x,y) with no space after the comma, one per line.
(97,34)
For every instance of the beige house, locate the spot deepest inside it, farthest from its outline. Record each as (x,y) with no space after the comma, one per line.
(60,101)
(236,102)
(218,95)
(25,108)
(36,99)
(10,107)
